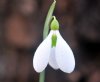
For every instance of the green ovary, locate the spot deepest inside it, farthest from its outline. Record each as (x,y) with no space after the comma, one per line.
(54,24)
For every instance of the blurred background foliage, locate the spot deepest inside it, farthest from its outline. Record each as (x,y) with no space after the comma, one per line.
(21,27)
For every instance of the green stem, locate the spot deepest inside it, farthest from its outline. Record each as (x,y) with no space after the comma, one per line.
(48,20)
(42,76)
(45,33)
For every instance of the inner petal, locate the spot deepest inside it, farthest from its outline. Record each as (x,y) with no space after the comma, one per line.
(52,59)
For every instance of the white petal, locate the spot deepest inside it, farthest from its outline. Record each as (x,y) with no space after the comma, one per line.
(41,56)
(52,60)
(64,55)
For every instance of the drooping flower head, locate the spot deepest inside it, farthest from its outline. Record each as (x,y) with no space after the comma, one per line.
(54,51)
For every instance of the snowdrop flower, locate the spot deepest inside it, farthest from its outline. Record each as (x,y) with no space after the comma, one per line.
(55,51)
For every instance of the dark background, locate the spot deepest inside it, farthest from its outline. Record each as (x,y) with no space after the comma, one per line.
(21,27)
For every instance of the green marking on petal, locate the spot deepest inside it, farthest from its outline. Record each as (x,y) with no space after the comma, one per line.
(54,24)
(54,40)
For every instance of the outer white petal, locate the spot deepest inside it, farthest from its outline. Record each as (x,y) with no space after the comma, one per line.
(41,56)
(64,55)
(52,59)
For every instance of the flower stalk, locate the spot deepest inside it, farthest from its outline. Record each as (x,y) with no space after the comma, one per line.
(45,33)
(48,20)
